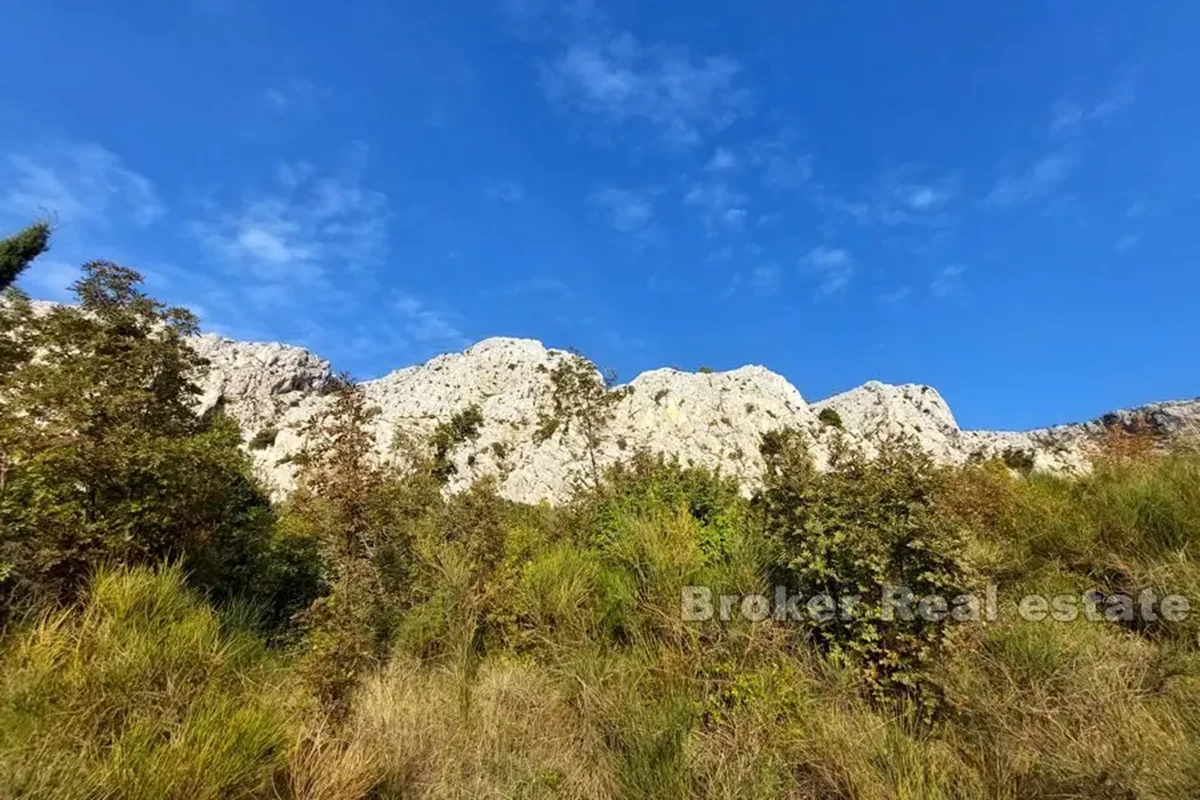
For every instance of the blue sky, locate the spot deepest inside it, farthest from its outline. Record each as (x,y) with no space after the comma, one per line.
(998,198)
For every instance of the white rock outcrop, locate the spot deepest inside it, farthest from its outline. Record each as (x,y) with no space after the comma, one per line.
(714,420)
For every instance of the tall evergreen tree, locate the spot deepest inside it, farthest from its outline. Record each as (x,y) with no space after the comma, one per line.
(18,250)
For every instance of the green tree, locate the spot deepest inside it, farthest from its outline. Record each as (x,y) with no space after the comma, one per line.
(103,456)
(581,398)
(18,250)
(15,313)
(348,500)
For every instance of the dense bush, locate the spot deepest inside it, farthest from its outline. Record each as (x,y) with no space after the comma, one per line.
(864,530)
(103,456)
(459,429)
(263,439)
(830,417)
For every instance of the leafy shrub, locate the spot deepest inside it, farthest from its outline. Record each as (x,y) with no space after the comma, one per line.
(703,370)
(263,439)
(830,417)
(648,484)
(463,426)
(864,526)
(1018,459)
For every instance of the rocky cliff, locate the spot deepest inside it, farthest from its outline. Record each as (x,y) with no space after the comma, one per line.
(710,419)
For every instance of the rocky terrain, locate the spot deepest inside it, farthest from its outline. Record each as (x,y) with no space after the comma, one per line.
(710,419)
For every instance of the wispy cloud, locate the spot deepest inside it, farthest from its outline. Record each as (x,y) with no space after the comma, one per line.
(76,183)
(764,279)
(542,284)
(276,110)
(782,165)
(916,195)
(895,298)
(723,160)
(292,96)
(832,267)
(922,197)
(628,211)
(92,197)
(1069,117)
(425,325)
(721,207)
(620,80)
(949,281)
(505,191)
(301,226)
(908,195)
(1015,187)
(1127,242)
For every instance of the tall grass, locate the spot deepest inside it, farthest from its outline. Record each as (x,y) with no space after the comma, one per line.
(141,693)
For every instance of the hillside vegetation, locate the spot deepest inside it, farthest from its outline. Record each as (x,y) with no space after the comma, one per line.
(169,632)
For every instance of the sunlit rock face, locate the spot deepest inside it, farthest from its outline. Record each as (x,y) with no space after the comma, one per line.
(714,420)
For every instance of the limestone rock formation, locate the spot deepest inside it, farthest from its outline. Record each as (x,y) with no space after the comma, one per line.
(878,410)
(257,382)
(708,419)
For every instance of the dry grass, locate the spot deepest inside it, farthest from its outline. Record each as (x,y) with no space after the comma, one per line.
(412,736)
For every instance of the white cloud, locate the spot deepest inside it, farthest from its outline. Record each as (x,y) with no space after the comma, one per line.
(895,298)
(911,195)
(628,211)
(1128,242)
(920,197)
(76,183)
(1065,116)
(621,80)
(296,95)
(832,267)
(1137,210)
(764,279)
(299,228)
(1069,117)
(838,209)
(505,191)
(782,167)
(541,285)
(721,207)
(425,325)
(1039,180)
(948,282)
(723,160)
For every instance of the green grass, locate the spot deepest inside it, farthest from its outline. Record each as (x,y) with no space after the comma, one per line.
(143,692)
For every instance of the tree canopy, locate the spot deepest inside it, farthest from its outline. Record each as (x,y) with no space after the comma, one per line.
(20,249)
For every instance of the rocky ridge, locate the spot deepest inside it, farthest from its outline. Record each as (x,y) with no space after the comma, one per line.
(706,419)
